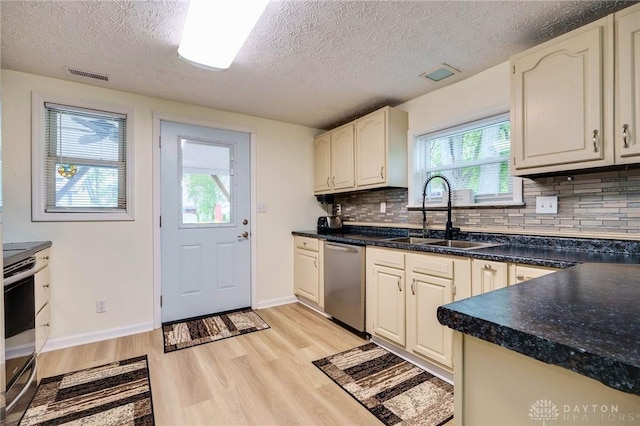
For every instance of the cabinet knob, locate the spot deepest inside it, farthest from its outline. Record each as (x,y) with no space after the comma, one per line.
(381,172)
(45,257)
(46,324)
(487,266)
(520,277)
(413,287)
(327,181)
(399,287)
(625,136)
(46,286)
(333,181)
(595,141)
(315,263)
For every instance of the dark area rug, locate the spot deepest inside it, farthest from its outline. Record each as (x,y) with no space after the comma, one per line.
(197,331)
(113,394)
(392,389)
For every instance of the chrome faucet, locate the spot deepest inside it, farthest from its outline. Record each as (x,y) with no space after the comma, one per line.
(449,229)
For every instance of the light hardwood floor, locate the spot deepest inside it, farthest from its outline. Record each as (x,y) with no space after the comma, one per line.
(262,378)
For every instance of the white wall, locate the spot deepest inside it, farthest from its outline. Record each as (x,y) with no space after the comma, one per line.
(478,96)
(114,260)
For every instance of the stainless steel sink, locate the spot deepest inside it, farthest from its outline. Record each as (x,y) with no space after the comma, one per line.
(463,245)
(412,240)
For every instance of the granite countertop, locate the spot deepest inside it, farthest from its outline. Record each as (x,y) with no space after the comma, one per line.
(514,249)
(15,252)
(583,318)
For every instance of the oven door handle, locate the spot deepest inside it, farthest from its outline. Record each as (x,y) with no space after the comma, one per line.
(25,274)
(25,389)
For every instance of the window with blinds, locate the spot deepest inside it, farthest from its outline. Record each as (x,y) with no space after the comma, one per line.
(474,157)
(83,164)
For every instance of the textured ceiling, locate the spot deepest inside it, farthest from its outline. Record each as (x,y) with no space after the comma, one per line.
(314,63)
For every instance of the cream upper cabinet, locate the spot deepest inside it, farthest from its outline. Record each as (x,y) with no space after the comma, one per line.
(342,157)
(562,102)
(307,269)
(488,276)
(381,149)
(627,86)
(370,152)
(521,273)
(322,163)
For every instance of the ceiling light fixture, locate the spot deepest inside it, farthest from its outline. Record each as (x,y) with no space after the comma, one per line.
(215,30)
(441,72)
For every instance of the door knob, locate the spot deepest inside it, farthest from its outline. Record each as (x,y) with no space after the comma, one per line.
(244,222)
(245,234)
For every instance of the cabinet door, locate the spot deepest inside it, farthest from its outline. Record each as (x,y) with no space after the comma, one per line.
(390,303)
(306,274)
(425,335)
(342,158)
(627,94)
(322,163)
(558,103)
(371,149)
(487,276)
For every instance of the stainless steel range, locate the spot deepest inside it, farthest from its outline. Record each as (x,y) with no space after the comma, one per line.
(20,337)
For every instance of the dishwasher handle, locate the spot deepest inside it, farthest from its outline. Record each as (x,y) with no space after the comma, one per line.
(349,249)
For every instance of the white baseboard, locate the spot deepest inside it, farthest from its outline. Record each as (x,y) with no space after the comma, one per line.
(425,365)
(276,302)
(96,336)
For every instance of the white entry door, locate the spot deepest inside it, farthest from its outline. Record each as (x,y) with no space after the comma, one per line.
(206,254)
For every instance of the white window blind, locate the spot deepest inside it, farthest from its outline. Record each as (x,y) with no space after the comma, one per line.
(85,153)
(474,157)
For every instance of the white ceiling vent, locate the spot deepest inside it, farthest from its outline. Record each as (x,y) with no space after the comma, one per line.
(87,74)
(439,73)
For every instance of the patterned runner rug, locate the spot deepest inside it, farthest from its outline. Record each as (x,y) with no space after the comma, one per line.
(114,394)
(392,389)
(196,331)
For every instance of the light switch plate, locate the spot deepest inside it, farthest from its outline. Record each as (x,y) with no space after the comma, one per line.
(547,205)
(383,207)
(262,207)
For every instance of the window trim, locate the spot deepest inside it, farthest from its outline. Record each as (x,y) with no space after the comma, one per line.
(413,192)
(38,189)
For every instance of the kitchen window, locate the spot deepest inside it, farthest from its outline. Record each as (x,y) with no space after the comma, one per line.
(474,157)
(82,167)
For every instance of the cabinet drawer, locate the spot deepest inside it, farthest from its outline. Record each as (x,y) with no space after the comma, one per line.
(525,273)
(42,259)
(390,258)
(42,288)
(308,243)
(432,265)
(43,326)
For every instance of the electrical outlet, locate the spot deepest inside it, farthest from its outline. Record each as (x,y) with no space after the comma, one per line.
(383,207)
(101,306)
(547,205)
(338,209)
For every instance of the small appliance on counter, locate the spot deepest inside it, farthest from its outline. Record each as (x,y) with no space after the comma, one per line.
(331,223)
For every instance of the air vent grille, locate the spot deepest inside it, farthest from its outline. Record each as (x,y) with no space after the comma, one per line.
(87,74)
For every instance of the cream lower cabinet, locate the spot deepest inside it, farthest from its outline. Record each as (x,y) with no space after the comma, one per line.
(42,291)
(521,273)
(404,291)
(385,298)
(488,276)
(307,269)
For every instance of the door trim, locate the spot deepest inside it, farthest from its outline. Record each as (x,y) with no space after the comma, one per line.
(157,205)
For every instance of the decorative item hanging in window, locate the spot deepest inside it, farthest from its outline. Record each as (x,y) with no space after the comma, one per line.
(69,170)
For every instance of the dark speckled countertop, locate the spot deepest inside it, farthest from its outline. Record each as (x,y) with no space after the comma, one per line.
(584,318)
(15,252)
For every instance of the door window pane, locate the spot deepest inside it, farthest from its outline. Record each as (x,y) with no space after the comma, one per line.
(207,182)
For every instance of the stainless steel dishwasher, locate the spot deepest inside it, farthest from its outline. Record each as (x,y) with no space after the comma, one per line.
(344,283)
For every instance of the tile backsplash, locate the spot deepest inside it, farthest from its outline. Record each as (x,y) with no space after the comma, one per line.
(605,203)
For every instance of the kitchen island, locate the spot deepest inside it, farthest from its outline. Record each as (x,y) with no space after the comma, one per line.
(564,347)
